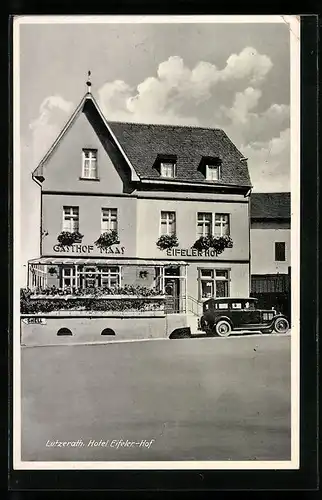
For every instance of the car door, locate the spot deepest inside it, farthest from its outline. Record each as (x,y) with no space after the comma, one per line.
(244,316)
(251,316)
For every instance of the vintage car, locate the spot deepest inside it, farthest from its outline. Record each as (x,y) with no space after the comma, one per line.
(223,315)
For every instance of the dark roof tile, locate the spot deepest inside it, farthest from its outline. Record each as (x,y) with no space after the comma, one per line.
(270,205)
(143,142)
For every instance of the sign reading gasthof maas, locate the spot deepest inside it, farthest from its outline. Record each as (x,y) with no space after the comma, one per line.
(86,249)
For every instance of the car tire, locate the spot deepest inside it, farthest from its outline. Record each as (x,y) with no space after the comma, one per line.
(281,325)
(222,328)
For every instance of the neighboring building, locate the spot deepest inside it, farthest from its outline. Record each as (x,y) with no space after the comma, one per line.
(143,181)
(271,249)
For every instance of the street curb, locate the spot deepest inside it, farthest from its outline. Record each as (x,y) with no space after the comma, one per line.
(128,341)
(95,342)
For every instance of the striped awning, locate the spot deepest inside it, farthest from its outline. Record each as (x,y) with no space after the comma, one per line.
(106,262)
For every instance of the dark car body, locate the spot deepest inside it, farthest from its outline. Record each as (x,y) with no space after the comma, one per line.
(225,314)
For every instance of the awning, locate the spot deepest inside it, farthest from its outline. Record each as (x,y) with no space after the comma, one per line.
(106,262)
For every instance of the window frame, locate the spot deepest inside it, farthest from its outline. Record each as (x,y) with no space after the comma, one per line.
(210,167)
(174,233)
(110,219)
(213,279)
(98,275)
(90,169)
(203,221)
(280,252)
(165,164)
(72,276)
(221,233)
(73,217)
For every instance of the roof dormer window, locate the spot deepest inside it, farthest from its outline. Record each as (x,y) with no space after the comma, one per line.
(212,172)
(166,165)
(210,166)
(168,169)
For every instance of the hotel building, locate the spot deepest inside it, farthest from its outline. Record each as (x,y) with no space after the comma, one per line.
(140,182)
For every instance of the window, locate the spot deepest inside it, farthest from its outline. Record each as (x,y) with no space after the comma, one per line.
(68,277)
(236,305)
(212,172)
(110,276)
(109,220)
(107,331)
(223,305)
(204,223)
(64,331)
(100,276)
(222,226)
(89,164)
(280,251)
(167,169)
(213,283)
(168,223)
(71,219)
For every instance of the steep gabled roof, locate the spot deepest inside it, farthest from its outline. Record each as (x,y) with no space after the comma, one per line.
(270,205)
(142,144)
(87,99)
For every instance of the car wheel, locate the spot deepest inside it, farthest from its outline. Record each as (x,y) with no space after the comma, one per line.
(222,328)
(281,325)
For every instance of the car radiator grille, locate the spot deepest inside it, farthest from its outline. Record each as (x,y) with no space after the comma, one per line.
(268,316)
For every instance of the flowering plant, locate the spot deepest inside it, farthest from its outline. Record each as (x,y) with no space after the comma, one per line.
(53,291)
(217,243)
(167,241)
(67,238)
(107,239)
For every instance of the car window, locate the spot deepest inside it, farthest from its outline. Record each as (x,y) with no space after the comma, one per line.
(236,305)
(222,305)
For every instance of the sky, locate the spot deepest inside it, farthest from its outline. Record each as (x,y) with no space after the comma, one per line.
(232,76)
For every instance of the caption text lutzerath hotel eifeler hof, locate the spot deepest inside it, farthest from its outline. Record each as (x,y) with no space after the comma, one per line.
(111,443)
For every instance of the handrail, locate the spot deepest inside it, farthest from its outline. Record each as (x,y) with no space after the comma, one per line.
(194,300)
(194,305)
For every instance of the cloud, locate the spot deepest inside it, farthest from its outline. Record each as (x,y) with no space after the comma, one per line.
(164,97)
(248,64)
(243,103)
(46,127)
(269,162)
(204,95)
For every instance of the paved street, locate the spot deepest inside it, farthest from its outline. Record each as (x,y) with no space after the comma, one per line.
(197,399)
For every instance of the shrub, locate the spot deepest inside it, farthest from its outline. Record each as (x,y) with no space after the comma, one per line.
(67,238)
(167,241)
(34,306)
(140,291)
(217,243)
(107,239)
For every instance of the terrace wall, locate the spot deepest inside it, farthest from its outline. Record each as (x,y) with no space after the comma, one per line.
(88,328)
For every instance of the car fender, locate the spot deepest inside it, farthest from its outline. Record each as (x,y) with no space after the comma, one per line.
(279,315)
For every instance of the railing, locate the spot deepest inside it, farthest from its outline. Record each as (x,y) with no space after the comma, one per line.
(194,306)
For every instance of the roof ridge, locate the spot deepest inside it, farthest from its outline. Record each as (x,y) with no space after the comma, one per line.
(164,125)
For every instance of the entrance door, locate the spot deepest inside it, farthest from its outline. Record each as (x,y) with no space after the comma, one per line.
(172,293)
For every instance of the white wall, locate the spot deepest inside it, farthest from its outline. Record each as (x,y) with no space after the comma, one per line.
(262,241)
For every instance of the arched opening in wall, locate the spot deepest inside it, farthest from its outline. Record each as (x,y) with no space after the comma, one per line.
(64,331)
(107,331)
